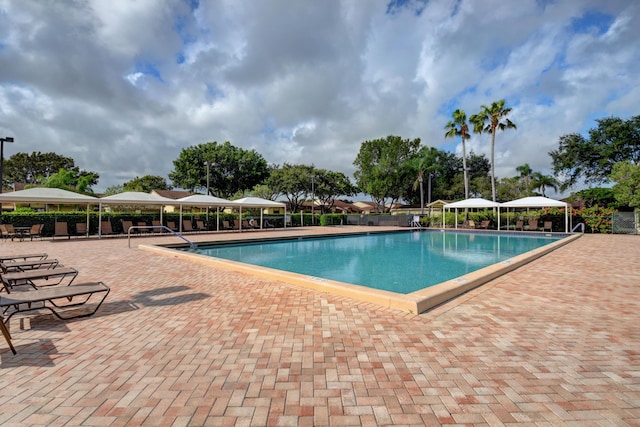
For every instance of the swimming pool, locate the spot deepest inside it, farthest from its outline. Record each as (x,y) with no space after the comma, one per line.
(400,262)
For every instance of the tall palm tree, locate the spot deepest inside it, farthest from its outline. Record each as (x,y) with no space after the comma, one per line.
(489,120)
(543,182)
(459,127)
(526,175)
(420,164)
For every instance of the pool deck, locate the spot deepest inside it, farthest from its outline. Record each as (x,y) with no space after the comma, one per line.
(183,343)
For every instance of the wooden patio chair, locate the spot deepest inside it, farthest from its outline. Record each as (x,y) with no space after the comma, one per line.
(36,231)
(156,226)
(533,225)
(519,226)
(61,230)
(187,226)
(105,228)
(547,226)
(81,229)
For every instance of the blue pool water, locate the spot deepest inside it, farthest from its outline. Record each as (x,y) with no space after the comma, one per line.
(401,262)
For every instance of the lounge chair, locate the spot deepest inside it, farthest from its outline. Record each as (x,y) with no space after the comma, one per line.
(15,266)
(37,278)
(484,224)
(533,225)
(36,231)
(105,228)
(24,257)
(61,230)
(50,299)
(81,229)
(547,226)
(226,225)
(172,226)
(187,226)
(267,224)
(470,224)
(519,226)
(415,222)
(200,226)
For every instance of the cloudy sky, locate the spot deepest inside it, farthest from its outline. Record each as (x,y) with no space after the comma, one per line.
(121,86)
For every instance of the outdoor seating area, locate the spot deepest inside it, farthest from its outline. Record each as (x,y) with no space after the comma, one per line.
(32,282)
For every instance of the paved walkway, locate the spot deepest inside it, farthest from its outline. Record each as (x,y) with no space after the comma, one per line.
(179,343)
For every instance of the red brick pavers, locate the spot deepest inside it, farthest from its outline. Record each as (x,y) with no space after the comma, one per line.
(556,342)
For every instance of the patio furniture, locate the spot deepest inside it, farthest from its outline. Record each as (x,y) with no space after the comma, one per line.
(57,299)
(200,226)
(61,230)
(23,257)
(157,226)
(8,232)
(547,226)
(533,225)
(81,229)
(36,231)
(187,226)
(14,266)
(38,277)
(172,226)
(105,228)
(126,225)
(519,226)
(484,224)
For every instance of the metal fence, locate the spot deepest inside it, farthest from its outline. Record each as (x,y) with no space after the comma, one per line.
(625,223)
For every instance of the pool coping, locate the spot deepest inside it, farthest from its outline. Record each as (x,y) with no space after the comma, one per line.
(415,302)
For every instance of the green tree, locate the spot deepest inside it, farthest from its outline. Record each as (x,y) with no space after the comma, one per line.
(526,176)
(597,196)
(459,127)
(490,120)
(592,159)
(626,175)
(114,189)
(329,185)
(146,184)
(70,180)
(231,169)
(382,168)
(293,182)
(542,182)
(35,168)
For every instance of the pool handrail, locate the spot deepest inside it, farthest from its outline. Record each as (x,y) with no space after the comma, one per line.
(164,227)
(581,225)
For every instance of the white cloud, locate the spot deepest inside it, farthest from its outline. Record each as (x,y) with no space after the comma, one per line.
(122,87)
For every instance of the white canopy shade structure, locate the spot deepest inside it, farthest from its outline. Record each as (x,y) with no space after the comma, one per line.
(134,198)
(539,202)
(474,203)
(204,200)
(52,196)
(257,202)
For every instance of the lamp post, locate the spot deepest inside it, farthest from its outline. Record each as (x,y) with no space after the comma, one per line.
(208,164)
(313,198)
(2,141)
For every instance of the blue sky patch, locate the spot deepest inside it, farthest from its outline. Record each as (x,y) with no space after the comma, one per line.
(591,21)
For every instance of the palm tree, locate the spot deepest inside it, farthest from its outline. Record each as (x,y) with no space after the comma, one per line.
(459,127)
(542,182)
(420,164)
(488,120)
(526,175)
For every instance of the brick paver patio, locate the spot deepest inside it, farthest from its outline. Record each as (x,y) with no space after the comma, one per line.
(556,342)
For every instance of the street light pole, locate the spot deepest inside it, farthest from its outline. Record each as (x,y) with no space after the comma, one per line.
(313,199)
(208,164)
(2,141)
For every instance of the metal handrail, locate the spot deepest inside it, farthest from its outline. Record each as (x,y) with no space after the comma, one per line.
(581,225)
(164,227)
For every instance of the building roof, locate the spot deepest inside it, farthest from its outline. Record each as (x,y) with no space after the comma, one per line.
(173,194)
